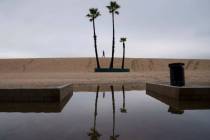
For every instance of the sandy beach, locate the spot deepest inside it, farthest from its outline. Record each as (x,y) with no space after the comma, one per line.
(80,71)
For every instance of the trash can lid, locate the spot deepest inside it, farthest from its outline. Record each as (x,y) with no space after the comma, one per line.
(176,64)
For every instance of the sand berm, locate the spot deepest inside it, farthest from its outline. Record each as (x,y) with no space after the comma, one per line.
(81,71)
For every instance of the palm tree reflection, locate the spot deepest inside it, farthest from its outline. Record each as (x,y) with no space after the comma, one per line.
(123,109)
(104,94)
(113,137)
(94,134)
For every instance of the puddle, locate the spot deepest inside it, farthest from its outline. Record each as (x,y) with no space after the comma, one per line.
(107,115)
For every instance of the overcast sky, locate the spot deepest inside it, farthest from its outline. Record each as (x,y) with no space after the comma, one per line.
(59,28)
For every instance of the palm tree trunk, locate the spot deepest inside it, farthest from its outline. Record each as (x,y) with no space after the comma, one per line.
(95,43)
(113,43)
(123,61)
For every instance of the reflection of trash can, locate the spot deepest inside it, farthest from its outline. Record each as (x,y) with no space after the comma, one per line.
(175,111)
(177,74)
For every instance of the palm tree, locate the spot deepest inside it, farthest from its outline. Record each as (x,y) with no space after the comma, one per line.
(94,134)
(92,15)
(113,10)
(123,40)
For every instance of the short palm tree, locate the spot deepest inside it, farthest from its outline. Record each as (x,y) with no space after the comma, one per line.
(123,40)
(113,7)
(92,15)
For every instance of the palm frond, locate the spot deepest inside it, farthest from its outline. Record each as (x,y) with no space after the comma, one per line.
(116,12)
(113,7)
(88,15)
(97,14)
(93,10)
(109,7)
(123,39)
(93,13)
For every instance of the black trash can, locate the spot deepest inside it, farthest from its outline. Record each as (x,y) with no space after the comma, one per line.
(177,74)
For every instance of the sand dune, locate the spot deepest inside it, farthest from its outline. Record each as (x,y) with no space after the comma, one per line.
(88,64)
(80,71)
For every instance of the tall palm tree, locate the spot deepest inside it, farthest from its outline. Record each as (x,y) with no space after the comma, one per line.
(113,7)
(123,40)
(92,15)
(94,134)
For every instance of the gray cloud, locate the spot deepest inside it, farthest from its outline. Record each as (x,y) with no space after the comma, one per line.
(155,28)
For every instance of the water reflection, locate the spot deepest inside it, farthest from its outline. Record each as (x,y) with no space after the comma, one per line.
(104,94)
(175,107)
(123,109)
(121,114)
(179,106)
(94,134)
(173,110)
(106,87)
(114,136)
(37,107)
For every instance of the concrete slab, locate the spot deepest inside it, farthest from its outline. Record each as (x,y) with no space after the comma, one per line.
(46,93)
(35,107)
(180,93)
